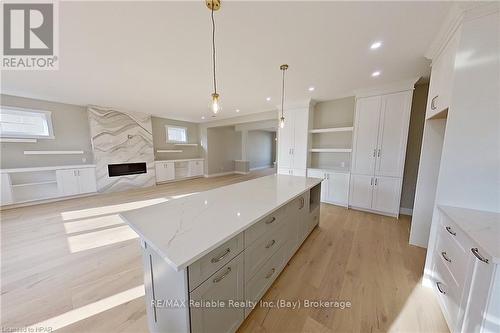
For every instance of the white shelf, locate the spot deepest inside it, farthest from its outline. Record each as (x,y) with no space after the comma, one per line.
(35,183)
(169,151)
(330,150)
(186,144)
(53,152)
(332,129)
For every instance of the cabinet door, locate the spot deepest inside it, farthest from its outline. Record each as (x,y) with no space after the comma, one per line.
(365,135)
(165,171)
(338,188)
(299,172)
(299,149)
(286,142)
(6,194)
(393,134)
(226,284)
(67,182)
(361,191)
(285,171)
(386,194)
(86,180)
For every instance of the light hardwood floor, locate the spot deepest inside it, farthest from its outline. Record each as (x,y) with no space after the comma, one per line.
(73,265)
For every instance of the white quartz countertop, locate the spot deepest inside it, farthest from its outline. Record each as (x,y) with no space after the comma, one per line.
(181,160)
(184,230)
(482,227)
(59,167)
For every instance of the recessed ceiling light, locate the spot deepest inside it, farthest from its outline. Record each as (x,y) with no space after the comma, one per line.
(237,110)
(376,45)
(203,117)
(376,73)
(311,88)
(268,99)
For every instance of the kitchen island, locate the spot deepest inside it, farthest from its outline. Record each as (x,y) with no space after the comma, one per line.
(210,256)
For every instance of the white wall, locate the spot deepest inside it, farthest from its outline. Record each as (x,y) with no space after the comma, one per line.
(260,149)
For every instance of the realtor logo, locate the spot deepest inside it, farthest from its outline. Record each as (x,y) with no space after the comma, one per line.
(29,35)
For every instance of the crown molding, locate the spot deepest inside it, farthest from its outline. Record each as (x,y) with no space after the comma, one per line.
(390,88)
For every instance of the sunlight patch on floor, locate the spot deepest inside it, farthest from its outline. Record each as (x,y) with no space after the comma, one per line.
(93,223)
(88,311)
(183,195)
(92,240)
(111,209)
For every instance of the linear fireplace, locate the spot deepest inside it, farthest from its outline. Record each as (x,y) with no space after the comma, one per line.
(123,169)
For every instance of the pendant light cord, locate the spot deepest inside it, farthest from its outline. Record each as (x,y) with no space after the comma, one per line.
(283,92)
(213,48)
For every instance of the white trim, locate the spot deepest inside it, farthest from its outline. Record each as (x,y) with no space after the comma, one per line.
(405,211)
(167,126)
(60,167)
(18,140)
(241,173)
(387,88)
(330,150)
(262,167)
(48,117)
(53,152)
(185,144)
(333,129)
(219,174)
(180,160)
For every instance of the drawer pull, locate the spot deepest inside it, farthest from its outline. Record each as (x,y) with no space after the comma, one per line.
(222,256)
(271,243)
(451,231)
(271,272)
(475,251)
(445,257)
(433,106)
(302,203)
(438,285)
(220,278)
(271,220)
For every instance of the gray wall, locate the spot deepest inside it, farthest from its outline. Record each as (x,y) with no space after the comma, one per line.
(160,139)
(260,148)
(71,131)
(414,145)
(334,113)
(223,147)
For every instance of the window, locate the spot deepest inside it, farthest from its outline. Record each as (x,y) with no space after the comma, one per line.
(176,134)
(25,123)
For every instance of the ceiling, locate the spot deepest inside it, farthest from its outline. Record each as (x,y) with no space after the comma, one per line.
(155,57)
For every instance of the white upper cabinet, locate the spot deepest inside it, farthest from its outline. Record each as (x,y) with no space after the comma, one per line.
(365,135)
(393,134)
(442,77)
(292,142)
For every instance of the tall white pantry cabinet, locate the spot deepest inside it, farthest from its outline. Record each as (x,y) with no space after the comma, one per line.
(379,148)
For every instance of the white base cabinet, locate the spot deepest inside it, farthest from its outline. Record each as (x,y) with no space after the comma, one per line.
(220,289)
(377,194)
(171,170)
(335,186)
(76,181)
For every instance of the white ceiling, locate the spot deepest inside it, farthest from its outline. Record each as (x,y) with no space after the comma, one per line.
(155,57)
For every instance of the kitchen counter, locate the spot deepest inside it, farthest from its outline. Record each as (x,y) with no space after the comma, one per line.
(182,160)
(183,230)
(481,226)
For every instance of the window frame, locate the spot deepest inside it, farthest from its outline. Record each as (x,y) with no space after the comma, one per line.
(48,118)
(177,127)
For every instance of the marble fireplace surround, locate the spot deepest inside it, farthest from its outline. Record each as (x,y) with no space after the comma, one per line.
(121,137)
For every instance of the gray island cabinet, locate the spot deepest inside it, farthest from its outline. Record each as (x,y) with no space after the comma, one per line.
(209,257)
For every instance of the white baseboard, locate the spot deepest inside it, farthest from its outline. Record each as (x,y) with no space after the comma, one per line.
(405,211)
(219,174)
(262,167)
(241,173)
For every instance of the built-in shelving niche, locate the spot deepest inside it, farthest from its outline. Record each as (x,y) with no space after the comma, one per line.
(35,185)
(331,134)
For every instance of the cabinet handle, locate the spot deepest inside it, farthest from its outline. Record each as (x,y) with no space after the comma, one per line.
(445,257)
(220,278)
(475,251)
(374,152)
(217,259)
(271,220)
(376,181)
(292,151)
(371,181)
(438,285)
(271,243)
(302,203)
(451,231)
(378,153)
(271,272)
(433,106)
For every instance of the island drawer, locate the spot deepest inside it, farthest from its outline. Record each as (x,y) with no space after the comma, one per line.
(256,287)
(266,224)
(203,268)
(261,250)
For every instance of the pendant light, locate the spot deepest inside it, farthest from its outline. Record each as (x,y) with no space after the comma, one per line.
(214,5)
(283,69)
